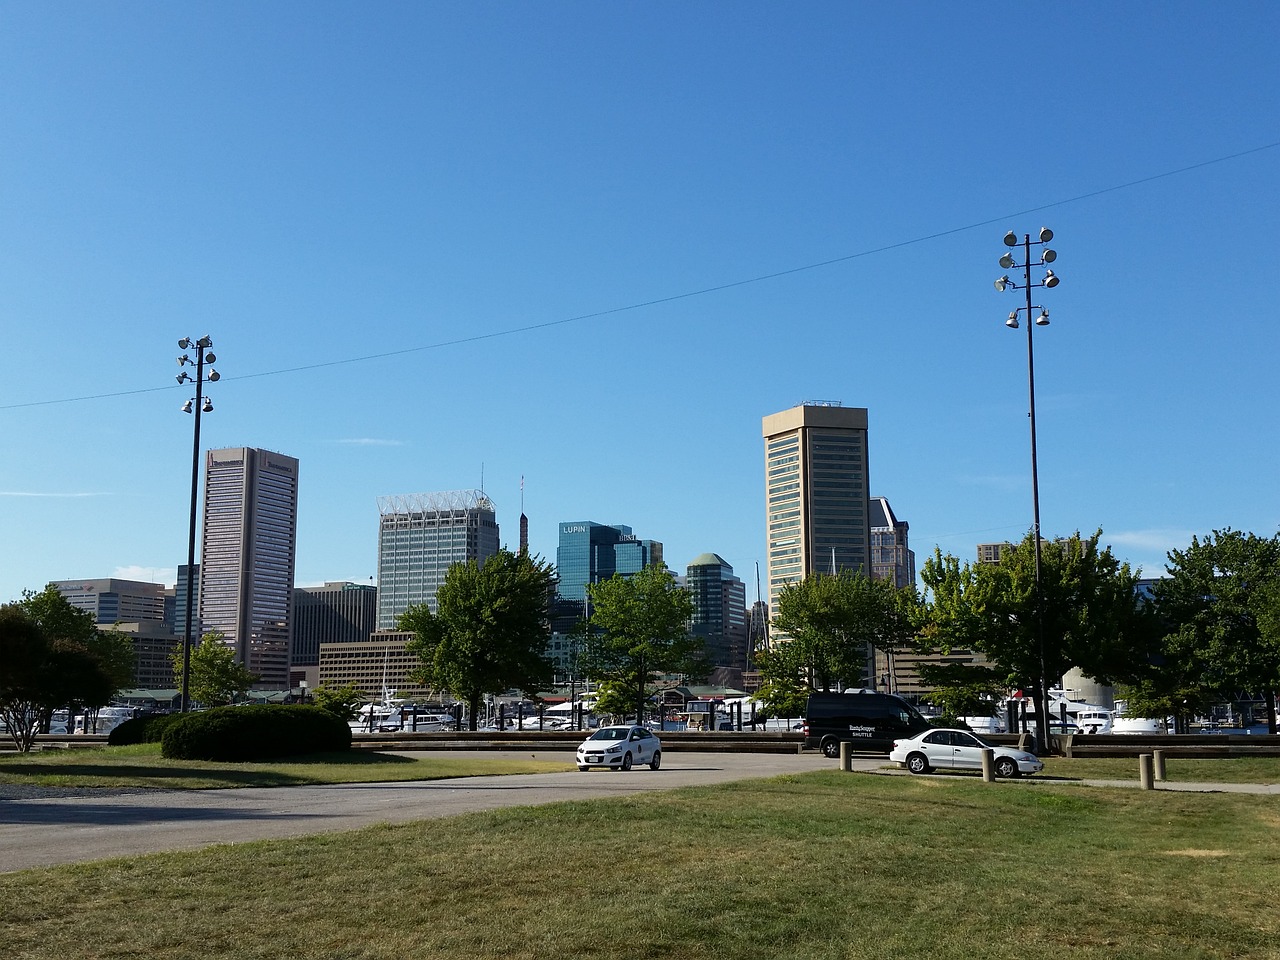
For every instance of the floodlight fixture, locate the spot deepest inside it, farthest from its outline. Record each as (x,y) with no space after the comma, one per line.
(1048,256)
(1050,280)
(1010,239)
(1043,319)
(186,407)
(1004,282)
(1045,234)
(1006,261)
(1012,322)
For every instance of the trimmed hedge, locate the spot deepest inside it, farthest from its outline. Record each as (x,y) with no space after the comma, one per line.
(254,732)
(148,728)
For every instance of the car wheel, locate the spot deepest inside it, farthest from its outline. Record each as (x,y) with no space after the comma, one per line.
(656,762)
(626,761)
(831,748)
(918,763)
(583,767)
(1006,767)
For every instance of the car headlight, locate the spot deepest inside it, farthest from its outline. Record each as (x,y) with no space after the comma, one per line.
(617,749)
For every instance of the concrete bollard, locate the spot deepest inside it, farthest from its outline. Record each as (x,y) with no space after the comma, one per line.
(846,756)
(1157,766)
(988,765)
(1144,771)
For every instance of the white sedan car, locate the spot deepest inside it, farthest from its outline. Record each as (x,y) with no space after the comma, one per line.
(620,748)
(960,750)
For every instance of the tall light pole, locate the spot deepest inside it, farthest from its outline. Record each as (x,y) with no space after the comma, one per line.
(198,404)
(1050,280)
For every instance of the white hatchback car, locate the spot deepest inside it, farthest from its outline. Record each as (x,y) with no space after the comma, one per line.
(960,750)
(620,748)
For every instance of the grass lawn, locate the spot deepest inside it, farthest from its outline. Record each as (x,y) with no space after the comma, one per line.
(824,865)
(1177,769)
(142,766)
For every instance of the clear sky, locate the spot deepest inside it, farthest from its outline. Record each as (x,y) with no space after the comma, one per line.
(592,244)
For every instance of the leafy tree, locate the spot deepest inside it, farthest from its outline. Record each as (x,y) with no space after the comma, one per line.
(783,691)
(963,689)
(24,656)
(57,617)
(1218,607)
(343,701)
(217,678)
(836,621)
(490,631)
(1086,613)
(639,629)
(86,666)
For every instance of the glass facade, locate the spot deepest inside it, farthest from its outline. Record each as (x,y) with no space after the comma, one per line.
(591,552)
(420,537)
(334,613)
(247,555)
(719,610)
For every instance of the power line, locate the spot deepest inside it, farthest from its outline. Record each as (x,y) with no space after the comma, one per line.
(687,295)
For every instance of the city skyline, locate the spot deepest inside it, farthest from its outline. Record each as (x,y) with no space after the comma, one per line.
(435,252)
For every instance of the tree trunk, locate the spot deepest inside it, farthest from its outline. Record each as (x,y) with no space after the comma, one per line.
(1270,695)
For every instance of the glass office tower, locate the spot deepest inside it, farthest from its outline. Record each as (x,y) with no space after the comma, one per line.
(247,554)
(420,536)
(591,552)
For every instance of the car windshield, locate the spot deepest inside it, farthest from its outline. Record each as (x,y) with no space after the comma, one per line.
(611,733)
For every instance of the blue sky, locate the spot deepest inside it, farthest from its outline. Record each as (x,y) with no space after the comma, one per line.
(444,187)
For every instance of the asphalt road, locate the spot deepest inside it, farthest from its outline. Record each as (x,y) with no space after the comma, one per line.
(50,830)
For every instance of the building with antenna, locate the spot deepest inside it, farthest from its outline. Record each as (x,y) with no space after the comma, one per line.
(420,536)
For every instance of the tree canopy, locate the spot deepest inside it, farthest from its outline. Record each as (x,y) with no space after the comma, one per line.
(834,623)
(490,631)
(1087,613)
(1219,612)
(217,678)
(639,627)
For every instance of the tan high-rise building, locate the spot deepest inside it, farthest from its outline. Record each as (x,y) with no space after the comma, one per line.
(818,506)
(247,556)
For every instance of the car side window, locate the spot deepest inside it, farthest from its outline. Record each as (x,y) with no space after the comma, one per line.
(964,740)
(940,737)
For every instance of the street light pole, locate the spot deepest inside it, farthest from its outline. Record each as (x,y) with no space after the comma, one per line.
(197,405)
(1050,281)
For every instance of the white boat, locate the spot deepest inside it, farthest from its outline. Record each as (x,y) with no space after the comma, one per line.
(983,725)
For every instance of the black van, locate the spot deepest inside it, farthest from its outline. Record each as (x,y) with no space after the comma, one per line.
(868,720)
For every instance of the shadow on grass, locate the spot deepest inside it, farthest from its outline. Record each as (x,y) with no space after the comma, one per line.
(230,773)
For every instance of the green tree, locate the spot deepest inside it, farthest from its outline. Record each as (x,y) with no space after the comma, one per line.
(217,678)
(1218,611)
(639,628)
(25,652)
(782,691)
(88,666)
(343,701)
(490,631)
(835,622)
(963,689)
(1086,614)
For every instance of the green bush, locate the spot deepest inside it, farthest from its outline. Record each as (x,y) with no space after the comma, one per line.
(254,732)
(148,728)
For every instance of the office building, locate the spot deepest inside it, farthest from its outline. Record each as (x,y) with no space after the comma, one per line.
(247,554)
(338,612)
(591,552)
(420,536)
(818,508)
(719,611)
(114,601)
(892,558)
(380,666)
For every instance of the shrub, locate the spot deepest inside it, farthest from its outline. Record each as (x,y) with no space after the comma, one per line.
(148,728)
(254,732)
